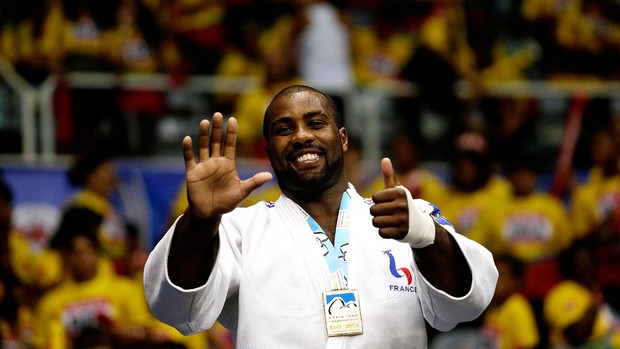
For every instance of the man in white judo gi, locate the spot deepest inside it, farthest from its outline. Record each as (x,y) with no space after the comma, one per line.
(321,267)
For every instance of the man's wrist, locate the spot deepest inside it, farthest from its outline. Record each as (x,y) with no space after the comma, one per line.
(200,226)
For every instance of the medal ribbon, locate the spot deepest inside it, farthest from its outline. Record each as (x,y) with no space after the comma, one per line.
(335,254)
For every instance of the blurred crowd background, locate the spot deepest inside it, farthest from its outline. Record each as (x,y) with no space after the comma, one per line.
(504,113)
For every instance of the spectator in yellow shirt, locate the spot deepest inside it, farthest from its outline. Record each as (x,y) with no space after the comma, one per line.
(94,174)
(94,305)
(595,213)
(531,225)
(593,203)
(474,187)
(575,309)
(36,267)
(15,307)
(89,298)
(509,321)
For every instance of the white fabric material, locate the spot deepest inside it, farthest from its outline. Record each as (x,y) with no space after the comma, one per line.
(269,276)
(324,50)
(421,226)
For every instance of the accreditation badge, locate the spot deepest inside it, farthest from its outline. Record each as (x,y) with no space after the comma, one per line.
(342,313)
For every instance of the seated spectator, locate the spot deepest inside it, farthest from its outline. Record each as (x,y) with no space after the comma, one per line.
(474,187)
(603,149)
(93,305)
(533,226)
(17,253)
(595,213)
(94,174)
(88,298)
(593,202)
(575,309)
(132,264)
(509,321)
(510,127)
(15,307)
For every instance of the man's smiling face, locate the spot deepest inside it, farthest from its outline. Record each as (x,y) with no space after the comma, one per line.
(305,146)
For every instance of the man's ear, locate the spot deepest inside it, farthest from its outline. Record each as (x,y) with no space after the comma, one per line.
(344,138)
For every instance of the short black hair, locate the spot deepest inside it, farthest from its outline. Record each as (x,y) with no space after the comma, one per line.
(87,161)
(330,105)
(524,160)
(77,221)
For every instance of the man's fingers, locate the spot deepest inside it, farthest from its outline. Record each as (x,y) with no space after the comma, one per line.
(256,181)
(388,208)
(231,139)
(203,141)
(391,227)
(188,153)
(389,177)
(388,221)
(217,128)
(391,233)
(389,195)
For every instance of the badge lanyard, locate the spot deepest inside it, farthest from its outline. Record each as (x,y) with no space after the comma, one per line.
(335,254)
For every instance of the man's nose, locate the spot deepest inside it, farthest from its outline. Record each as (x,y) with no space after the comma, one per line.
(302,135)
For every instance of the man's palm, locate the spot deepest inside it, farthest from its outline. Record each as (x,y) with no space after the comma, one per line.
(213,183)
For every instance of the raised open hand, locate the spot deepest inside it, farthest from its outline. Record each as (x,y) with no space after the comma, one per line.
(213,183)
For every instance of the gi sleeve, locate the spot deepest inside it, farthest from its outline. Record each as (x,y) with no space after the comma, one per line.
(443,311)
(191,310)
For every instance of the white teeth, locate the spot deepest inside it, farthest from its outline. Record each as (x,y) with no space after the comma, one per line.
(307,157)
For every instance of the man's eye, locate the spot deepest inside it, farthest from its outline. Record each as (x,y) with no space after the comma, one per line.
(316,123)
(283,130)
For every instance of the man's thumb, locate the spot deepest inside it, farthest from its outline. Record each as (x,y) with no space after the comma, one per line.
(389,178)
(256,181)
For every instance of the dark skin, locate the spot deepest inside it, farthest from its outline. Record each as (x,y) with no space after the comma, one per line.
(304,146)
(578,333)
(306,150)
(391,214)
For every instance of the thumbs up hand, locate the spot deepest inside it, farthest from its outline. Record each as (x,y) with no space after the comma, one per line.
(391,210)
(396,214)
